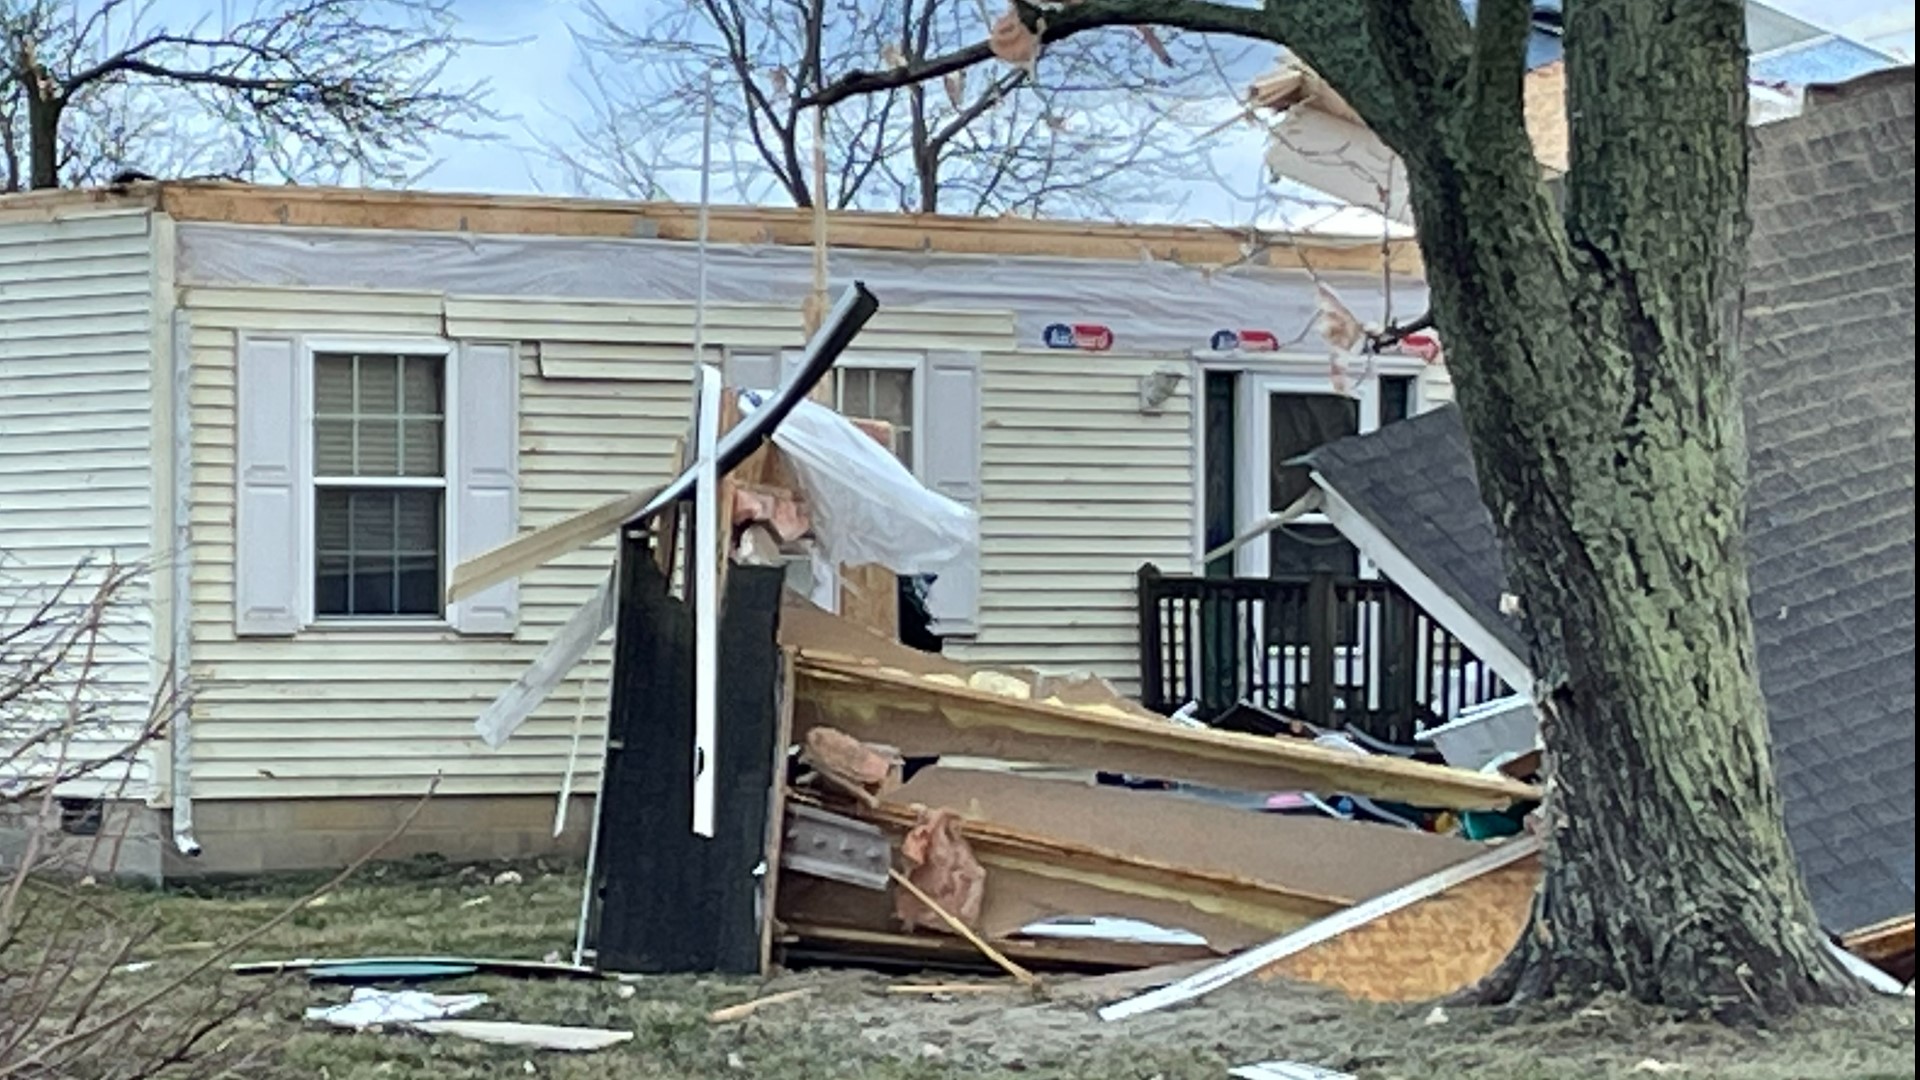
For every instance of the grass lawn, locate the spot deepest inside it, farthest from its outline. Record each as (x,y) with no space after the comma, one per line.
(851,1029)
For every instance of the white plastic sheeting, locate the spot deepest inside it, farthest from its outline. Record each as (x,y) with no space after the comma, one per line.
(866,507)
(369,1007)
(1150,306)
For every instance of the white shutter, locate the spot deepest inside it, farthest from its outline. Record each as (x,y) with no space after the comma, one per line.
(949,457)
(753,371)
(269,539)
(484,491)
(790,365)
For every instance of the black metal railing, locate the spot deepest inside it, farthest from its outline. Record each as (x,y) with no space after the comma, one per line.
(1334,652)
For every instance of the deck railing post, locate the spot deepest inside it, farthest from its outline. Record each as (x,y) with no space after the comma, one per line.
(1323,635)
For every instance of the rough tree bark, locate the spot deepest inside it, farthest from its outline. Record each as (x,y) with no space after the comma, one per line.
(1594,350)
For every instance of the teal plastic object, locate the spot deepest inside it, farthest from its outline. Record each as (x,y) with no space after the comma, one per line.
(377,971)
(1488,824)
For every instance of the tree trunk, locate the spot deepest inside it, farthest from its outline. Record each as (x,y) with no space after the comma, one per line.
(1595,358)
(44,106)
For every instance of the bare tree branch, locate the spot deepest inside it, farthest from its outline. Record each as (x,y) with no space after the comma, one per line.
(1057,24)
(335,90)
(1113,127)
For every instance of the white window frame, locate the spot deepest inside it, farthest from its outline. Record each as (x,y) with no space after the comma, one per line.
(895,361)
(446,350)
(1255,445)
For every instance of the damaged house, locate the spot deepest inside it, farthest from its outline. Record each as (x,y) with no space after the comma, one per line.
(302,408)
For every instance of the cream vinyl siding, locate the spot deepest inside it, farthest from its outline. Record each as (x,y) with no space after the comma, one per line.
(1079,489)
(77,443)
(379,712)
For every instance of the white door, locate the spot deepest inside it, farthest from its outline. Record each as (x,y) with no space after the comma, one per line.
(1279,418)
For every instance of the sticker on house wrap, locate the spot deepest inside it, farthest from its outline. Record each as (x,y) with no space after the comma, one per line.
(1423,345)
(1245,341)
(1089,337)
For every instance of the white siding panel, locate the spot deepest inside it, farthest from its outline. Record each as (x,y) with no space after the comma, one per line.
(76,479)
(1079,489)
(378,712)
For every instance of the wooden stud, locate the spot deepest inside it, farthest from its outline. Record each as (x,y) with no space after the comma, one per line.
(1026,977)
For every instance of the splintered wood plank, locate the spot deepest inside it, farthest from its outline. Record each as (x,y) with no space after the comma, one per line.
(543,545)
(927,717)
(1313,855)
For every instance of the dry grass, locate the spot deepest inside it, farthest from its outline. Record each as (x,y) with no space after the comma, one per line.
(850,1029)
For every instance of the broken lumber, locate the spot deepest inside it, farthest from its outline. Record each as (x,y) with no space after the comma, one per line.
(953,922)
(826,941)
(922,716)
(1309,855)
(1033,877)
(1238,967)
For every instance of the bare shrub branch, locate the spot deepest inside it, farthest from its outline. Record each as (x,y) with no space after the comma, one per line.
(73,729)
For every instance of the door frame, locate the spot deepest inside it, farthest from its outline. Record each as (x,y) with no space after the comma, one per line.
(1253,442)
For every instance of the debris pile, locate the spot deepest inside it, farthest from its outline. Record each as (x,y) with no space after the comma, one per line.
(879,804)
(826,792)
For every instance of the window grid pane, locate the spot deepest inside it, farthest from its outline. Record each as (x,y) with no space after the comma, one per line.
(884,394)
(379,415)
(378,552)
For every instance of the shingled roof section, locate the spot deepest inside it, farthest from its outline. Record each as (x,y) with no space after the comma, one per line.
(1415,482)
(1829,395)
(1829,348)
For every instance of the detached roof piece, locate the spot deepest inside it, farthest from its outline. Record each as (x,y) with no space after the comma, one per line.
(1415,482)
(1829,397)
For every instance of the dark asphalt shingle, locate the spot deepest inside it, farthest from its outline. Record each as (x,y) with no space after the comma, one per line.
(1829,394)
(1414,481)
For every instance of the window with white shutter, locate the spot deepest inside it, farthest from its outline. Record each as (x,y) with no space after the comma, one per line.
(366,470)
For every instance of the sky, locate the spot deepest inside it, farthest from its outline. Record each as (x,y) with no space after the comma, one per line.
(532,87)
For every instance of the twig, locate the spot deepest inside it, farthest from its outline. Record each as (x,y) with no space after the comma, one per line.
(133,1011)
(1027,978)
(748,1008)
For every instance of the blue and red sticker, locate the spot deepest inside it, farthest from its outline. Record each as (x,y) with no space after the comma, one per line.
(1087,337)
(1245,341)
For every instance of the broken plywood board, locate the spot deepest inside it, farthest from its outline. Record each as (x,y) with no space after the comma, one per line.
(1031,878)
(1347,860)
(1882,942)
(1441,944)
(1234,968)
(930,717)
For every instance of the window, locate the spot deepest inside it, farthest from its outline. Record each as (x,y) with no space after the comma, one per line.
(1301,423)
(379,485)
(879,393)
(1396,397)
